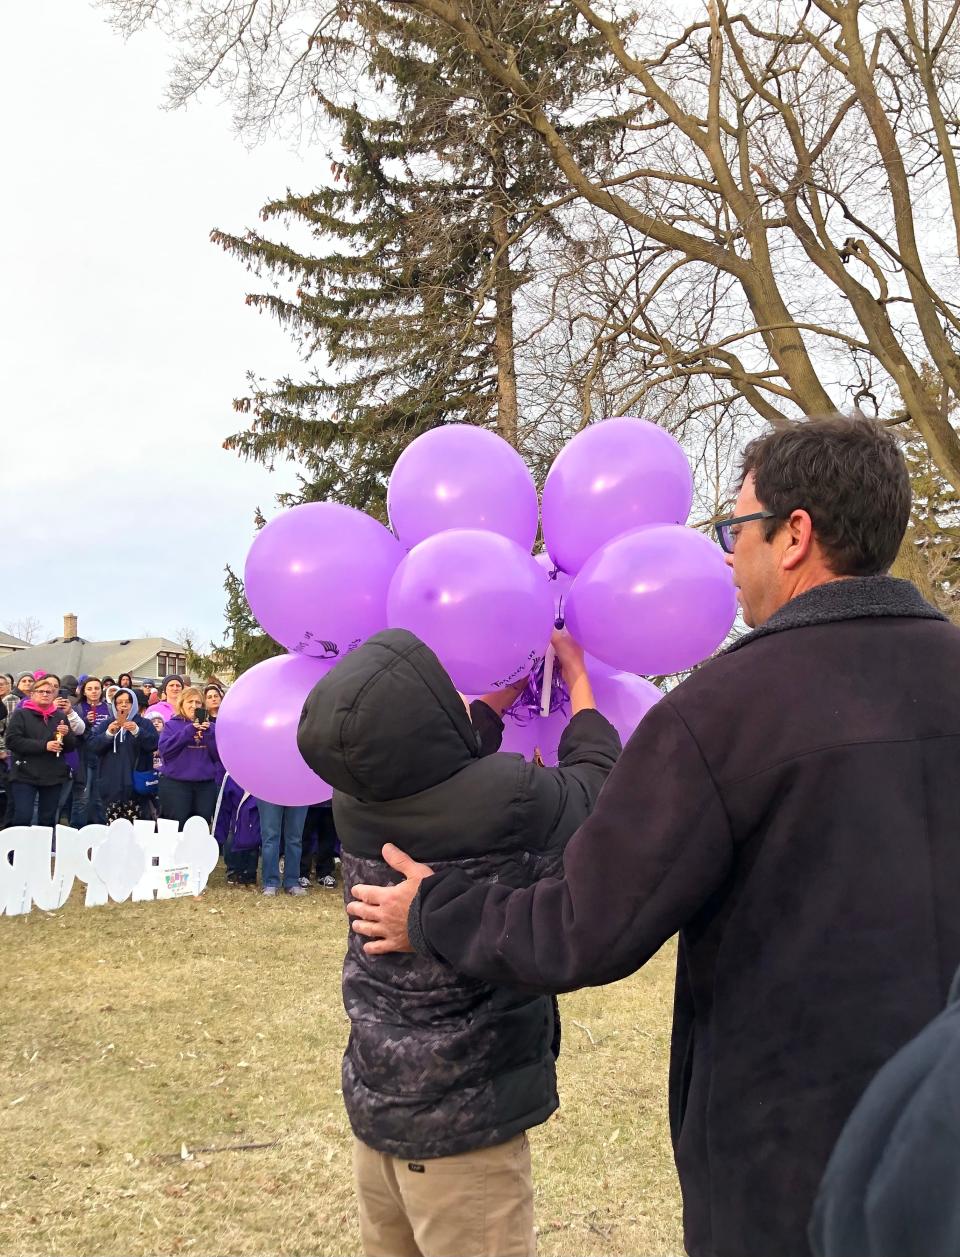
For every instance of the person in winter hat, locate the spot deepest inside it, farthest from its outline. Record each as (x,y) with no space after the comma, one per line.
(443,1075)
(171,687)
(124,746)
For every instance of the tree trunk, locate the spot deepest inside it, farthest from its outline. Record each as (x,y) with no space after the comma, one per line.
(503,344)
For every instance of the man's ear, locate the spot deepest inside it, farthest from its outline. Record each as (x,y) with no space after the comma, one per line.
(798,540)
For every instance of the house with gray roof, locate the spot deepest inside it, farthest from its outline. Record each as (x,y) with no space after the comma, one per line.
(145,658)
(9,645)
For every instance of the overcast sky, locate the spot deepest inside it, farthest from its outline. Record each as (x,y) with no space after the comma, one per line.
(124,333)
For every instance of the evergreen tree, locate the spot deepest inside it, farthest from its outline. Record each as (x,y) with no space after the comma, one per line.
(246,643)
(432,223)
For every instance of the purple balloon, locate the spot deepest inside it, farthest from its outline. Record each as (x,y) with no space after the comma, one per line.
(542,733)
(257,730)
(622,697)
(317,578)
(461,476)
(611,478)
(480,603)
(559,582)
(655,601)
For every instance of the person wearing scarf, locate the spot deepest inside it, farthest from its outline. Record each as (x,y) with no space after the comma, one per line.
(87,808)
(38,735)
(127,743)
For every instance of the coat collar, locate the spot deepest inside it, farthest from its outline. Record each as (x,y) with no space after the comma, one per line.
(854,598)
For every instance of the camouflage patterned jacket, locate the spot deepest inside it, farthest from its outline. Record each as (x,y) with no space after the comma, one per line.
(438,1063)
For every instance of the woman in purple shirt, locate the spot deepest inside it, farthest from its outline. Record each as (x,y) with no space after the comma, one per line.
(188,748)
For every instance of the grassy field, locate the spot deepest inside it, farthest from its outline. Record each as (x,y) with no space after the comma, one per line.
(170,1078)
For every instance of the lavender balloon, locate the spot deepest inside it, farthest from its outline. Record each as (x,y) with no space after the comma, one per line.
(559,582)
(622,697)
(317,577)
(480,603)
(611,478)
(541,734)
(257,730)
(655,601)
(461,476)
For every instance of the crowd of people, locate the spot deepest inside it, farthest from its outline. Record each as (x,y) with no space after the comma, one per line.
(90,750)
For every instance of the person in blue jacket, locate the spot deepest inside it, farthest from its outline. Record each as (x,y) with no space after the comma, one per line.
(125,745)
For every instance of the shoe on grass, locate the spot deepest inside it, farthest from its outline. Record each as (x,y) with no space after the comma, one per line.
(296,890)
(270,890)
(304,882)
(329,882)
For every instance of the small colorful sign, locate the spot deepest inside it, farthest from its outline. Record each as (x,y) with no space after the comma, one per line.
(178,881)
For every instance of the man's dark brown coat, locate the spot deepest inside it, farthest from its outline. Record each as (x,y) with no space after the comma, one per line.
(794,811)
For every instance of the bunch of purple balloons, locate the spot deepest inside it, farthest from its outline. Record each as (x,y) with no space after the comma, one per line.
(641,592)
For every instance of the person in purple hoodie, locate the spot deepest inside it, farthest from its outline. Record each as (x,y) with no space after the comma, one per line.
(236,826)
(87,807)
(188,748)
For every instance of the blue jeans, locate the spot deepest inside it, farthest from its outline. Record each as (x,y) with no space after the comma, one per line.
(87,807)
(274,821)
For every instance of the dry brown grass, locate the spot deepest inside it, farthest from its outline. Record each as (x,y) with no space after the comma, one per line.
(131,1030)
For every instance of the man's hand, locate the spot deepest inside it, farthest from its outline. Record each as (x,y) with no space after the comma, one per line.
(380,912)
(54,746)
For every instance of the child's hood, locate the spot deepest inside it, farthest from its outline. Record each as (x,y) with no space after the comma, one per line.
(386,722)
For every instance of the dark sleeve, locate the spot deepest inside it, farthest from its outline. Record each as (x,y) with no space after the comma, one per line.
(19,741)
(98,743)
(655,848)
(489,726)
(148,736)
(892,1184)
(589,748)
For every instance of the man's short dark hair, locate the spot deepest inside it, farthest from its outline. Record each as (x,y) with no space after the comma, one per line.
(849,475)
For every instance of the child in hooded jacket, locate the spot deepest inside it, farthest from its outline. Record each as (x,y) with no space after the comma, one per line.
(443,1074)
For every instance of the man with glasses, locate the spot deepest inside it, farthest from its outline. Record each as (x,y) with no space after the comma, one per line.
(792,811)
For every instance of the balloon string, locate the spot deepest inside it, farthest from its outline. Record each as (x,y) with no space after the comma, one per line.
(529,705)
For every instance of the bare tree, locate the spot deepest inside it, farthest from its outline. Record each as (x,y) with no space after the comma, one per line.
(787,169)
(27,628)
(784,206)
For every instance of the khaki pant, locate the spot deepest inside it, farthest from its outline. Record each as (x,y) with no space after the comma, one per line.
(476,1204)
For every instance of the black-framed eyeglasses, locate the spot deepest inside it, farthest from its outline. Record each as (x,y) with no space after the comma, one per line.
(724,528)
